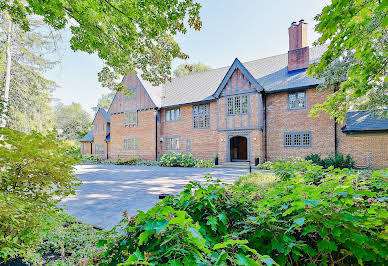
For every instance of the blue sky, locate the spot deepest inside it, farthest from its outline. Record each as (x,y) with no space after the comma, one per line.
(244,29)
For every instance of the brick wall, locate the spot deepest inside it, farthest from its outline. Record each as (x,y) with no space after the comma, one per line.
(86,147)
(366,149)
(280,120)
(144,131)
(99,135)
(204,142)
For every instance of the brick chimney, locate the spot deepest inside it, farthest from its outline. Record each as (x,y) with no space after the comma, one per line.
(298,54)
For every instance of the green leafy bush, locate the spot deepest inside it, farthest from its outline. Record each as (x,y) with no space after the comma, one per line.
(337,161)
(265,166)
(299,219)
(69,242)
(148,163)
(127,161)
(200,226)
(90,159)
(257,180)
(174,159)
(204,163)
(36,172)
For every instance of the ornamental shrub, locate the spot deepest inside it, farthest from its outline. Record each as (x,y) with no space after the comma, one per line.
(265,166)
(37,171)
(174,159)
(312,216)
(204,163)
(337,161)
(128,161)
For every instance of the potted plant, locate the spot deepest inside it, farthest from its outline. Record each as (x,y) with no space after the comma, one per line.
(216,159)
(257,161)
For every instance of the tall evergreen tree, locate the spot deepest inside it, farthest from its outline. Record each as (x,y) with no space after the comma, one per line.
(24,57)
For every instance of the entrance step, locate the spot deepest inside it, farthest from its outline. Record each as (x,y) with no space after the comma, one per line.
(237,165)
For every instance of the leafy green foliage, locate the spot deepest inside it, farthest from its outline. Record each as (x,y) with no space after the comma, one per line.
(31,54)
(36,172)
(69,242)
(338,219)
(357,33)
(91,159)
(174,159)
(188,229)
(265,166)
(128,161)
(105,101)
(204,163)
(187,69)
(72,121)
(127,35)
(257,180)
(337,161)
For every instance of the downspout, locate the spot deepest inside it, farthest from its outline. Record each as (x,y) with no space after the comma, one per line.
(265,126)
(107,150)
(156,134)
(335,131)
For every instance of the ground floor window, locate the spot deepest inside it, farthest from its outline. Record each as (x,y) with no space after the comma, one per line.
(131,144)
(172,143)
(99,148)
(297,139)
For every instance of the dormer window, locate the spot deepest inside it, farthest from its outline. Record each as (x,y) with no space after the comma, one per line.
(297,100)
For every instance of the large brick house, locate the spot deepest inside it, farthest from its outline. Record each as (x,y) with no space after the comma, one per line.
(254,109)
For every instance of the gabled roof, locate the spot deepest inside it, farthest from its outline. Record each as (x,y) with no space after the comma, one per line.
(237,65)
(270,72)
(104,114)
(357,121)
(88,137)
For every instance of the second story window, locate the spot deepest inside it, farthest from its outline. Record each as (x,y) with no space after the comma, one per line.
(172,115)
(237,105)
(297,100)
(201,116)
(130,118)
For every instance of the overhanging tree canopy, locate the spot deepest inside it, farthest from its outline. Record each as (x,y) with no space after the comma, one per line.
(126,34)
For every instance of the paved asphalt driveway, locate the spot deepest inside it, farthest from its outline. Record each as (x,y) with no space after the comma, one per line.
(108,190)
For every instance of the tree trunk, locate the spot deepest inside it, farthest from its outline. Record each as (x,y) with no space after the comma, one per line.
(7,74)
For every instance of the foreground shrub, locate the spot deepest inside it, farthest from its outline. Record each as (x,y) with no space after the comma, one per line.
(69,242)
(174,159)
(257,180)
(337,161)
(338,219)
(192,228)
(36,172)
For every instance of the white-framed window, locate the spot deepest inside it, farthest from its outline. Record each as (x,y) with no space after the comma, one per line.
(100,148)
(173,115)
(297,100)
(172,143)
(237,105)
(130,118)
(201,116)
(297,139)
(131,143)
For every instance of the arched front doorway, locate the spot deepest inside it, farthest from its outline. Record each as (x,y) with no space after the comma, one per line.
(238,148)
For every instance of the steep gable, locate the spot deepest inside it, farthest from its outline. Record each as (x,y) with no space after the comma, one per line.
(237,80)
(139,99)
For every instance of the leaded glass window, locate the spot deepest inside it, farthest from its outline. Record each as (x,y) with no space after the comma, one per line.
(201,116)
(297,139)
(237,105)
(173,115)
(131,143)
(297,100)
(172,143)
(130,118)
